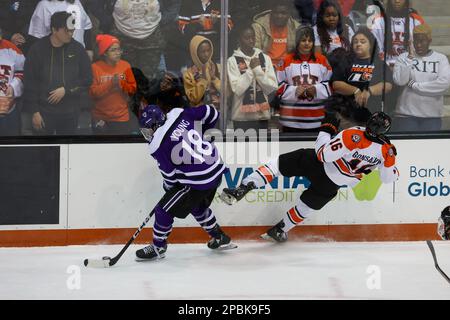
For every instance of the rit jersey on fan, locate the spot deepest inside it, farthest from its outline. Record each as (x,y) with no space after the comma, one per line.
(11,68)
(184,156)
(351,154)
(303,112)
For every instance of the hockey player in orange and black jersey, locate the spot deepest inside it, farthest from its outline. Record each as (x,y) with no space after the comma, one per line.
(339,159)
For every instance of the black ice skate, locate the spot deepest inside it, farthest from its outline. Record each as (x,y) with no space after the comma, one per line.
(150,253)
(276,233)
(230,196)
(221,241)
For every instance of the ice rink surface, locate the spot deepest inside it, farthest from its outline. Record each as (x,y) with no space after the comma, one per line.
(254,271)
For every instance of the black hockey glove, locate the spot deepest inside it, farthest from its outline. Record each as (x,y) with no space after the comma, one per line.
(330,123)
(444,224)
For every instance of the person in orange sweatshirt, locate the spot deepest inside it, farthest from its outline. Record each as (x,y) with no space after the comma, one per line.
(113,84)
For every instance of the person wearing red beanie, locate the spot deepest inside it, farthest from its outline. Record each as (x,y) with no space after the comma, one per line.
(104,42)
(113,83)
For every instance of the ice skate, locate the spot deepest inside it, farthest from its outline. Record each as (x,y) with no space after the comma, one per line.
(276,233)
(221,241)
(150,253)
(231,196)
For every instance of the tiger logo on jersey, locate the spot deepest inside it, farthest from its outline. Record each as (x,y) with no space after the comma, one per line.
(356,138)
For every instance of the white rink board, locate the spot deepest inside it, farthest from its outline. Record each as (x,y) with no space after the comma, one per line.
(116,185)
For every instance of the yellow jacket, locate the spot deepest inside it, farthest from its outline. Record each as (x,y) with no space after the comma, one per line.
(201,88)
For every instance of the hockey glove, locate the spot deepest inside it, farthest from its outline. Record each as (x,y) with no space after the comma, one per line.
(444,224)
(385,140)
(330,124)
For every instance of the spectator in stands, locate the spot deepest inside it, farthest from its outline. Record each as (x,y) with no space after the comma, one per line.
(170,88)
(426,77)
(202,17)
(275,31)
(15,16)
(345,6)
(11,86)
(252,78)
(362,76)
(202,80)
(244,11)
(40,21)
(113,84)
(173,55)
(137,26)
(303,85)
(58,71)
(306,11)
(331,32)
(402,20)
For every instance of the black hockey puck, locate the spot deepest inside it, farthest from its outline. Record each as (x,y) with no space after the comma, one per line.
(85,262)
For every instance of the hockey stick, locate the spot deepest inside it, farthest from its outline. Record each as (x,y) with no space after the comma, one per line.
(433,253)
(107,262)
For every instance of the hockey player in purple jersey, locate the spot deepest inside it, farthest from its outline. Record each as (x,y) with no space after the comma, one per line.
(192,170)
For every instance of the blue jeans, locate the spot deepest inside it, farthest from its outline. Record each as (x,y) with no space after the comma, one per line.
(400,124)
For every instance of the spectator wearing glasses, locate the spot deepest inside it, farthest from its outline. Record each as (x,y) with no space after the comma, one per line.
(113,84)
(425,77)
(82,25)
(58,71)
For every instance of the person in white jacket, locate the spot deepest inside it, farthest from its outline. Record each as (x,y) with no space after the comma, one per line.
(12,62)
(40,21)
(252,78)
(426,77)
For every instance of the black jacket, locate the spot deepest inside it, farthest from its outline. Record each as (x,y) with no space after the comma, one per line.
(48,68)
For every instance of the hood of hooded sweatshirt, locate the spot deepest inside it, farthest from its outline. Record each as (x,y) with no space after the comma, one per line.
(193,47)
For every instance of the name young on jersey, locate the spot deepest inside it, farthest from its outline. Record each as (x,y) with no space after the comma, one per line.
(180,130)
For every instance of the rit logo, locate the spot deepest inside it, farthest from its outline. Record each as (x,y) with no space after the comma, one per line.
(398,43)
(304,79)
(5,74)
(425,66)
(5,70)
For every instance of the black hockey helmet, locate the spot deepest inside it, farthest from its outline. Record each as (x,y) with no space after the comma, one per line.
(378,123)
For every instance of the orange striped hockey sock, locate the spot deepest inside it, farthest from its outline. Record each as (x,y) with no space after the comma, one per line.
(292,218)
(264,174)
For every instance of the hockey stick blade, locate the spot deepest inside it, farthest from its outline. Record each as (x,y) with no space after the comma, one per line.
(95,263)
(433,253)
(229,246)
(107,262)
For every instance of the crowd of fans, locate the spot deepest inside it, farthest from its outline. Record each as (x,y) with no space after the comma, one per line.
(61,60)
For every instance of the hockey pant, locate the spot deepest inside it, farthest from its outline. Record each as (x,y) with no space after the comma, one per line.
(304,163)
(179,202)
